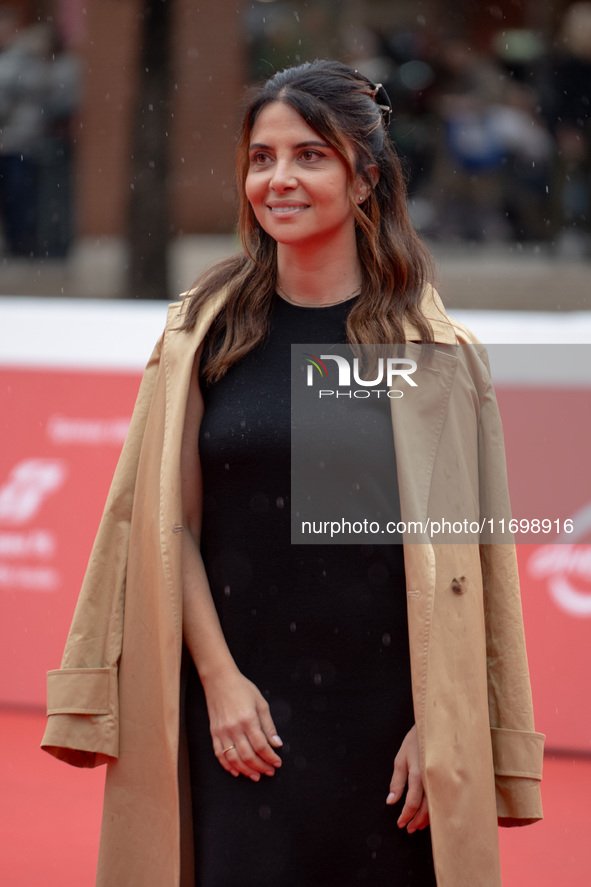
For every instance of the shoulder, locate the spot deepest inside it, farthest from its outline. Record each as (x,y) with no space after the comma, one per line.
(446,329)
(464,335)
(449,331)
(177,311)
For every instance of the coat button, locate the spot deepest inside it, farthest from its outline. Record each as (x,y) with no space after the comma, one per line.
(458,585)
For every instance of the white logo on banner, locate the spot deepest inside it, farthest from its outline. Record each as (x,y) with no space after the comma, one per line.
(565,567)
(28,485)
(90,432)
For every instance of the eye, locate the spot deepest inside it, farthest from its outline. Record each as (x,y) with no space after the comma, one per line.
(309,154)
(258,158)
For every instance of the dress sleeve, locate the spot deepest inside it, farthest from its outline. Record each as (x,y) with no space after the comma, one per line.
(82,695)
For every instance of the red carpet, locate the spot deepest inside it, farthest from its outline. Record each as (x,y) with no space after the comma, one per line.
(49,813)
(50,817)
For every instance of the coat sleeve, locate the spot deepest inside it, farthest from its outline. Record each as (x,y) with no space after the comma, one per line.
(517,748)
(82,695)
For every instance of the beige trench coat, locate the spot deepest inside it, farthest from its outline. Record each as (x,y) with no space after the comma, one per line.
(115,699)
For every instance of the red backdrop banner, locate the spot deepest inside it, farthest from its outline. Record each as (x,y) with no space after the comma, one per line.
(62,434)
(547,433)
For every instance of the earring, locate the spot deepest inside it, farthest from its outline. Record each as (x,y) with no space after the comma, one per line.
(360,198)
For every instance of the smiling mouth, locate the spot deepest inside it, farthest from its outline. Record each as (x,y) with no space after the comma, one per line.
(288,209)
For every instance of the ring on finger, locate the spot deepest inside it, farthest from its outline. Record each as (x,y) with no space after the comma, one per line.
(230,747)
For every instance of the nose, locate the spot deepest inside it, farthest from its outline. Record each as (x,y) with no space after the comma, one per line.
(283,177)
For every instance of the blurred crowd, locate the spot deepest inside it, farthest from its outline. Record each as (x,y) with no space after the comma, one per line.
(497,144)
(39,93)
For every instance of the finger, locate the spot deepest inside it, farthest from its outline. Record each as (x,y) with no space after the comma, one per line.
(262,749)
(398,781)
(414,798)
(269,728)
(228,755)
(260,732)
(252,759)
(221,750)
(246,748)
(236,755)
(239,763)
(225,750)
(421,818)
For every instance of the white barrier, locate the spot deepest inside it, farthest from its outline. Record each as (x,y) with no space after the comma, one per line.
(120,334)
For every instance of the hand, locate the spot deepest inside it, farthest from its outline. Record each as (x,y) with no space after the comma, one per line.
(240,720)
(407,768)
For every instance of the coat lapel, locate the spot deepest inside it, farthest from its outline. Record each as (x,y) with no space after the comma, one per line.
(417,419)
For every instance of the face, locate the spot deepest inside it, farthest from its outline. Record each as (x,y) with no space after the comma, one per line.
(296,183)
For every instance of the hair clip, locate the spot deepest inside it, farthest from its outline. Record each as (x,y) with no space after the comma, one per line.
(382,100)
(380,97)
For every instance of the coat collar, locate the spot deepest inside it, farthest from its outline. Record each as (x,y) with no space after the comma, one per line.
(444,331)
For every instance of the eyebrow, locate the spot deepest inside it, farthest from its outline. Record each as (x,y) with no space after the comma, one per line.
(257,146)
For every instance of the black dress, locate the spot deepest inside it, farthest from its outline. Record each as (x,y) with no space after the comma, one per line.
(320,629)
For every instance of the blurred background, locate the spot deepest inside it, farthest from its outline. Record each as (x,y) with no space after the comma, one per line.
(118,121)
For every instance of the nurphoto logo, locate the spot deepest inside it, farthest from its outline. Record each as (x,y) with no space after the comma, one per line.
(388,372)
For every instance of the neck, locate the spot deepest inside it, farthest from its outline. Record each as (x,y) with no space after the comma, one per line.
(317,278)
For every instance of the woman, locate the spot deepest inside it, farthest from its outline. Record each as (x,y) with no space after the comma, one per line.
(379,738)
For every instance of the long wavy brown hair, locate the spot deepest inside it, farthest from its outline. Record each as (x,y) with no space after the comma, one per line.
(339,104)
